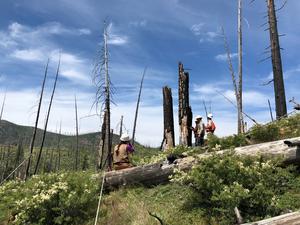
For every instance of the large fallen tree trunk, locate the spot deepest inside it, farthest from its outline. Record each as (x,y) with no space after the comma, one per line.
(159,173)
(286,219)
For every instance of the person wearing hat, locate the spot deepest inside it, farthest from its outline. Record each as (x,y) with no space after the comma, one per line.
(122,152)
(210,127)
(199,131)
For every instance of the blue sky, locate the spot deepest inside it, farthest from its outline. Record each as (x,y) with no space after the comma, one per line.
(157,34)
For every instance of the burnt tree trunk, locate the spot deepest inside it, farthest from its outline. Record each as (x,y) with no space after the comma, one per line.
(169,140)
(184,108)
(101,150)
(77,160)
(280,101)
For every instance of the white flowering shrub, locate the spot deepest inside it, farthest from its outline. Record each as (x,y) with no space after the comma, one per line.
(67,198)
(223,182)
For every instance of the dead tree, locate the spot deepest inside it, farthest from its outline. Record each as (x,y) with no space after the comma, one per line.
(241,128)
(2,107)
(103,98)
(280,100)
(121,126)
(270,109)
(184,109)
(19,157)
(77,141)
(169,140)
(58,148)
(137,105)
(47,118)
(237,89)
(101,150)
(36,123)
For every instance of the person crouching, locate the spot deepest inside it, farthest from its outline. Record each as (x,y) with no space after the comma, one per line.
(122,153)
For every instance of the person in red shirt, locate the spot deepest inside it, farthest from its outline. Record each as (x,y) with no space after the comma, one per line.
(210,127)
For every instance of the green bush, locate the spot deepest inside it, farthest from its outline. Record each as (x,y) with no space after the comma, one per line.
(68,198)
(265,133)
(233,141)
(284,128)
(223,182)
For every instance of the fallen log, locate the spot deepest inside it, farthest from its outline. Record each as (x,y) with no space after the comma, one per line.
(159,173)
(286,219)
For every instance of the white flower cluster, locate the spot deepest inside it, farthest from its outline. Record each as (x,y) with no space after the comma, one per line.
(42,192)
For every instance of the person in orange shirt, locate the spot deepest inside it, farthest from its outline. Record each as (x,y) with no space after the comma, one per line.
(210,127)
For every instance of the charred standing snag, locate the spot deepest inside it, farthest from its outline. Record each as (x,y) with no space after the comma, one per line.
(47,118)
(138,105)
(103,98)
(280,101)
(36,123)
(169,140)
(77,160)
(184,109)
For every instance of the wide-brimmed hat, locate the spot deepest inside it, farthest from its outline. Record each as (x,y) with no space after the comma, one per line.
(125,137)
(210,116)
(198,117)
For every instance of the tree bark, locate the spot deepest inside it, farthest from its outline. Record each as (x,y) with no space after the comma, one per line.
(159,173)
(280,101)
(77,160)
(137,106)
(169,139)
(236,88)
(241,128)
(184,108)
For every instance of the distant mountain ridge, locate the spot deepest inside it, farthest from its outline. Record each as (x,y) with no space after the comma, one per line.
(12,134)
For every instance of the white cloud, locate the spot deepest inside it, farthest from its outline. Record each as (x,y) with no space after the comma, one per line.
(117,40)
(73,67)
(74,75)
(21,36)
(291,72)
(28,55)
(250,98)
(114,38)
(197,29)
(212,34)
(84,31)
(223,57)
(206,89)
(205,35)
(286,74)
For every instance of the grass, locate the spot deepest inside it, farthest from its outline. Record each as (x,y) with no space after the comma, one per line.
(132,206)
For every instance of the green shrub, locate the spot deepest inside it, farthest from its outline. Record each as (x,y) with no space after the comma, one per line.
(223,182)
(265,133)
(233,141)
(68,198)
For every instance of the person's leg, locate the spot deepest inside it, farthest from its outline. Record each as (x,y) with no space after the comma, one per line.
(197,141)
(202,141)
